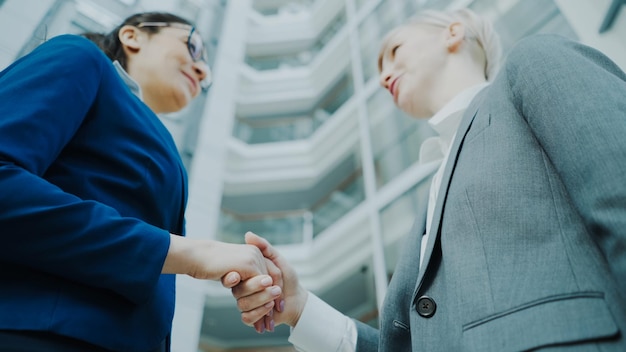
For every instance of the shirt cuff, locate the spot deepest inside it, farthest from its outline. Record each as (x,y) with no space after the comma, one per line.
(322,328)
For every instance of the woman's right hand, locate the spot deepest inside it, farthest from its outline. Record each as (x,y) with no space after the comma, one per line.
(251,294)
(212,260)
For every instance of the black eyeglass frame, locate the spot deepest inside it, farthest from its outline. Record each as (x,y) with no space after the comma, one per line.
(203,56)
(192,29)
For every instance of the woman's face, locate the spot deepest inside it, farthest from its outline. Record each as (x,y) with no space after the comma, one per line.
(163,67)
(411,63)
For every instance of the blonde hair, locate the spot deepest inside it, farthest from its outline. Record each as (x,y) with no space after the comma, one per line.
(476,27)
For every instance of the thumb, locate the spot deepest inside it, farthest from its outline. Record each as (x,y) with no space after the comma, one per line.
(263,245)
(231,279)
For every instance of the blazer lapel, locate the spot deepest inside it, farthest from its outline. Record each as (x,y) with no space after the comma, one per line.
(464,126)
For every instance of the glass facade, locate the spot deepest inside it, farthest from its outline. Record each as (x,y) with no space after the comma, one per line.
(371,30)
(302,57)
(347,196)
(279,229)
(300,124)
(395,137)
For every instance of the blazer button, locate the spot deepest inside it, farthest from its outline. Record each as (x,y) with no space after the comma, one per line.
(426,307)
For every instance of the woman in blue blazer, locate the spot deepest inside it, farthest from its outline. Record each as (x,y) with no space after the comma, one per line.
(94,192)
(523,244)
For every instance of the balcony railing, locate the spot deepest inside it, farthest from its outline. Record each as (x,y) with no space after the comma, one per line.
(281,129)
(297,226)
(301,58)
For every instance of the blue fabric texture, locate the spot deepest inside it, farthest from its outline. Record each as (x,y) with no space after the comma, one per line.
(92,185)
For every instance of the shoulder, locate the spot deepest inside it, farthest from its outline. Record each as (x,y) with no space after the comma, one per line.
(537,51)
(74,49)
(543,54)
(65,62)
(68,54)
(542,43)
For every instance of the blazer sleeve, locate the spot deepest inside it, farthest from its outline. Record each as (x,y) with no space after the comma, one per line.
(574,100)
(45,98)
(367,338)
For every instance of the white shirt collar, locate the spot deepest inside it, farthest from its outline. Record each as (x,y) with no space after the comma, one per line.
(130,82)
(445,122)
(447,119)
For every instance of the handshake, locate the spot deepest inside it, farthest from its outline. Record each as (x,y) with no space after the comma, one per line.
(262,297)
(265,286)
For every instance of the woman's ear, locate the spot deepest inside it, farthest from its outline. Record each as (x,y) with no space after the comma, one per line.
(130,38)
(455,33)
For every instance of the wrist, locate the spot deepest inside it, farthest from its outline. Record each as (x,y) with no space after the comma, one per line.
(176,261)
(302,297)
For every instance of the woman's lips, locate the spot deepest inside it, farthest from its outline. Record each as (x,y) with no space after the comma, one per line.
(193,83)
(393,88)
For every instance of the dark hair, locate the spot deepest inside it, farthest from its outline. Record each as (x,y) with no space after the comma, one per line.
(110,43)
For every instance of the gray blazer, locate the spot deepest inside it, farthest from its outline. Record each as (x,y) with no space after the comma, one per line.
(528,244)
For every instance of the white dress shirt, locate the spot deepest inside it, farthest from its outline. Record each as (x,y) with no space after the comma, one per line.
(130,82)
(323,328)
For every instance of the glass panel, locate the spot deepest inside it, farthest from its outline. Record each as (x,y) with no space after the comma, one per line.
(338,203)
(264,129)
(397,219)
(302,58)
(297,215)
(259,131)
(273,8)
(396,138)
(279,229)
(342,189)
(386,16)
(371,31)
(515,19)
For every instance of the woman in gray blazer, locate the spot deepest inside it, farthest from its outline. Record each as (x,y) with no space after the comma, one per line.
(523,246)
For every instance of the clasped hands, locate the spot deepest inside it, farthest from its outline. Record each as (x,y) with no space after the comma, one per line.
(263,283)
(266,301)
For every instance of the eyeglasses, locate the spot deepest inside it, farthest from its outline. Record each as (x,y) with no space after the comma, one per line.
(194,45)
(194,42)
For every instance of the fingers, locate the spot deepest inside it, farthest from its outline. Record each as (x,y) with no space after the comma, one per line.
(277,280)
(255,317)
(257,299)
(265,323)
(274,259)
(231,279)
(252,286)
(259,316)
(269,320)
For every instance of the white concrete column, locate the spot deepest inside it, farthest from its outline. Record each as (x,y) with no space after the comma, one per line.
(206,171)
(367,158)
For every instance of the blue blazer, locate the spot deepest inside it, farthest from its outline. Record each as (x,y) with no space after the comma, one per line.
(91,186)
(528,240)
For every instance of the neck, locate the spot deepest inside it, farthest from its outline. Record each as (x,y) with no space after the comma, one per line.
(458,77)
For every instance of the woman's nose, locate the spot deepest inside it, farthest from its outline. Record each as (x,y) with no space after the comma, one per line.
(203,72)
(385,77)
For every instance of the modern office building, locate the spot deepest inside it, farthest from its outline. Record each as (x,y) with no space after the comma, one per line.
(295,140)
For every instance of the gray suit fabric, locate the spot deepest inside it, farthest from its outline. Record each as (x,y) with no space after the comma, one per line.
(528,242)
